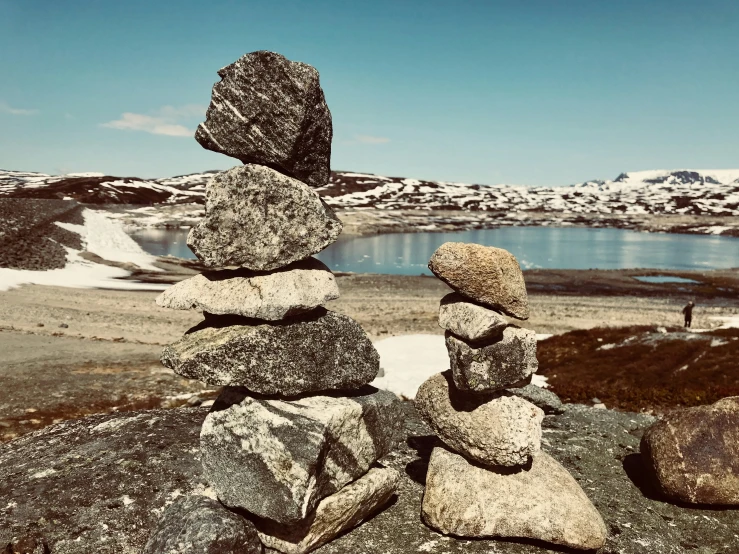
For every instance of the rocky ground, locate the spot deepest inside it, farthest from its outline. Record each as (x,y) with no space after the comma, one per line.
(99,485)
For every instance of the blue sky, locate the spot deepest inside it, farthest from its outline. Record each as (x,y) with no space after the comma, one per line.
(530,92)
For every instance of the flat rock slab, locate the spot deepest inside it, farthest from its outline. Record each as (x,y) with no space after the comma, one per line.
(540,397)
(493,366)
(292,290)
(271,111)
(494,430)
(154,457)
(335,514)
(487,275)
(469,321)
(542,502)
(259,219)
(278,459)
(694,453)
(319,351)
(200,525)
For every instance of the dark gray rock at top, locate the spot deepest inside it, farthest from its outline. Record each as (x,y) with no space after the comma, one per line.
(271,111)
(319,351)
(199,525)
(278,458)
(147,456)
(262,220)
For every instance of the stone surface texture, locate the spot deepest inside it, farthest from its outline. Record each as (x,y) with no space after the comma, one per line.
(271,111)
(469,321)
(295,289)
(543,503)
(495,365)
(319,351)
(495,430)
(694,453)
(262,220)
(200,525)
(335,514)
(489,276)
(278,459)
(540,397)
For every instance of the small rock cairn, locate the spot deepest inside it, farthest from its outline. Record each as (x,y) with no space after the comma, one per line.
(491,479)
(292,440)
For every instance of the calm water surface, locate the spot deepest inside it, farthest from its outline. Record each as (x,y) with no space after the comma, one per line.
(535,247)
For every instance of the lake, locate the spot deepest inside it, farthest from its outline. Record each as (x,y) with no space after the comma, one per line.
(535,247)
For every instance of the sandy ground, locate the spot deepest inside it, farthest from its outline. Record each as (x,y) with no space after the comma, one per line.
(69,352)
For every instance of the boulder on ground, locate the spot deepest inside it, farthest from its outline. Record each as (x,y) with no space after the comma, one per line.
(268,110)
(543,502)
(199,525)
(292,290)
(335,514)
(694,453)
(318,351)
(469,321)
(278,459)
(540,397)
(262,220)
(492,366)
(494,430)
(487,275)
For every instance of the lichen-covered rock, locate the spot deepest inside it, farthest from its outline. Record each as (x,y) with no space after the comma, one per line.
(542,502)
(271,111)
(540,397)
(199,525)
(262,220)
(278,458)
(295,289)
(469,321)
(495,365)
(318,351)
(489,276)
(694,453)
(494,430)
(335,514)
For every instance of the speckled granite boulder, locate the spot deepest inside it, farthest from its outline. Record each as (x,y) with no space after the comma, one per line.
(319,351)
(487,275)
(469,321)
(335,514)
(292,290)
(278,458)
(271,111)
(694,453)
(262,220)
(494,430)
(495,365)
(542,502)
(199,525)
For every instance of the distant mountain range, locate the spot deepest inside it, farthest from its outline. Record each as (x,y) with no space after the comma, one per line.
(689,192)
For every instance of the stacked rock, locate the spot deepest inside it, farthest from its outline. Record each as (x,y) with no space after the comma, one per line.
(291,441)
(490,477)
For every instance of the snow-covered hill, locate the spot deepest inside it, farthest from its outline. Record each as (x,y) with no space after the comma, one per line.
(689,192)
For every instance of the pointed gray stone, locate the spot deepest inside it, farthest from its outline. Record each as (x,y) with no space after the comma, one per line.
(271,111)
(494,430)
(469,321)
(295,289)
(262,220)
(538,396)
(335,514)
(278,458)
(318,351)
(199,525)
(493,366)
(543,502)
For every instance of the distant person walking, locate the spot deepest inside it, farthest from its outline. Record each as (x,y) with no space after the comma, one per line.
(688,313)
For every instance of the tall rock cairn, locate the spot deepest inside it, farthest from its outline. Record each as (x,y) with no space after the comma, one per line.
(490,477)
(291,442)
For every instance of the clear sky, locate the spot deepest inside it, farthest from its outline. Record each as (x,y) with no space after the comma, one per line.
(529,92)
